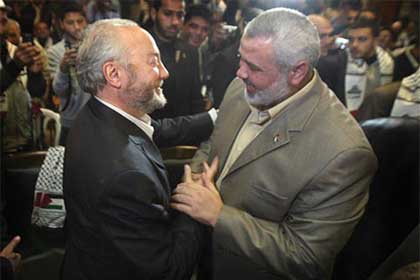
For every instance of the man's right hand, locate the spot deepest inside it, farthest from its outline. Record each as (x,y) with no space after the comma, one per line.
(26,54)
(69,60)
(8,253)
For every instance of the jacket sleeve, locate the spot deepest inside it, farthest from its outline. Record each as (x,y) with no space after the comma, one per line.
(150,241)
(319,222)
(8,74)
(36,84)
(60,81)
(6,270)
(185,130)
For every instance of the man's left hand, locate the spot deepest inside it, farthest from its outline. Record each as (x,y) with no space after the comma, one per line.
(200,201)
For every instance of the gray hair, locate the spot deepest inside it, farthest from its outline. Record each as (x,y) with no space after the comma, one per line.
(100,44)
(294,37)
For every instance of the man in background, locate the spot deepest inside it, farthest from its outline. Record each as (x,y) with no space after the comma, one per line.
(61,61)
(183,87)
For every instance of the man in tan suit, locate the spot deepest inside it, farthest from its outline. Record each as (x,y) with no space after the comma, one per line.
(294,165)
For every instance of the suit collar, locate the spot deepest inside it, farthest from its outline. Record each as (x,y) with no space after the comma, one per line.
(114,119)
(126,127)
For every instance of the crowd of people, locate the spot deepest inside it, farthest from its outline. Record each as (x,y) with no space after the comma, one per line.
(198,41)
(268,84)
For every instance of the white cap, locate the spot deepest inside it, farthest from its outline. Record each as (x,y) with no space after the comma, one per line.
(3,6)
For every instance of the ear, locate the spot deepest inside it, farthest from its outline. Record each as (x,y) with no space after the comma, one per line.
(298,73)
(153,14)
(112,74)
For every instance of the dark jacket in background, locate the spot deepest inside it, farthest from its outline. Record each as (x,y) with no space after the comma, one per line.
(332,70)
(183,87)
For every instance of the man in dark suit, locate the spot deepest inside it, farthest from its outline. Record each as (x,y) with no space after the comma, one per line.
(116,192)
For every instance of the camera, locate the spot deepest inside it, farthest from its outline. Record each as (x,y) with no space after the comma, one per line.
(27,37)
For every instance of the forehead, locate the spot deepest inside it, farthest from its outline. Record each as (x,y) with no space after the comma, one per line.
(134,36)
(325,27)
(360,32)
(385,32)
(199,21)
(258,51)
(41,25)
(257,44)
(73,16)
(174,5)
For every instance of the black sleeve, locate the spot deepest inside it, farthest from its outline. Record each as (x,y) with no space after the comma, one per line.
(185,130)
(6,269)
(197,100)
(8,74)
(150,240)
(36,84)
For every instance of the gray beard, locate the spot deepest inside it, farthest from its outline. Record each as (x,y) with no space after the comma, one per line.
(267,98)
(149,106)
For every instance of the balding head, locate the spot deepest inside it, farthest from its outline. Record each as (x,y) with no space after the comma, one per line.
(99,46)
(325,30)
(13,32)
(120,63)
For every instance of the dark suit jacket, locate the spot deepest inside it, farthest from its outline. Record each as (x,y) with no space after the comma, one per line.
(116,192)
(183,87)
(332,70)
(184,130)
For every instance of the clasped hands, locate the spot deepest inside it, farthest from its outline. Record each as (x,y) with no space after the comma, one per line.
(197,195)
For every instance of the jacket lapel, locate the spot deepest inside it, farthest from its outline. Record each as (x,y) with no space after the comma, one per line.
(149,149)
(235,120)
(137,136)
(292,120)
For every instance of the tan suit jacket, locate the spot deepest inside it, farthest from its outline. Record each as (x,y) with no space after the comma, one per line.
(293,197)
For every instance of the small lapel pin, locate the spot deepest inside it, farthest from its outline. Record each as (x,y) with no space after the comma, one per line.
(276,138)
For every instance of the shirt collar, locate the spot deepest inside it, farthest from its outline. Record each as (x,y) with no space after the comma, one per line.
(144,123)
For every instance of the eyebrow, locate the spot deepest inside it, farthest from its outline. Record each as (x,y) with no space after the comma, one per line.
(154,54)
(249,62)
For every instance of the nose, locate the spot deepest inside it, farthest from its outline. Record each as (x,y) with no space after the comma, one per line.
(163,72)
(354,44)
(77,26)
(176,20)
(241,72)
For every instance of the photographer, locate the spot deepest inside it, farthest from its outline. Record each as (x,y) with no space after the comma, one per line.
(61,62)
(13,63)
(20,77)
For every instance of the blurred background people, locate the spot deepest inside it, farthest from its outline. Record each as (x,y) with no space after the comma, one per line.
(61,63)
(183,87)
(42,35)
(385,40)
(102,9)
(196,25)
(21,77)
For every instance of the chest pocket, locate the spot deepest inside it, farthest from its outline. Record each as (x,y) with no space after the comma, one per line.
(266,204)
